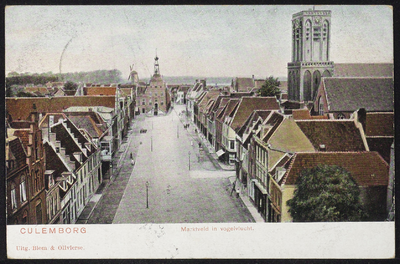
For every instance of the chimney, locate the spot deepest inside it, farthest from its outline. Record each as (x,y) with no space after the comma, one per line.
(62,151)
(88,146)
(78,156)
(52,137)
(322,147)
(72,164)
(362,117)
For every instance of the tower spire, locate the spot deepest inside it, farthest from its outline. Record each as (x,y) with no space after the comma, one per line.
(156,65)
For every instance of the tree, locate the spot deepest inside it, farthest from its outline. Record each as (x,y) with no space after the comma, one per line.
(270,87)
(326,194)
(70,86)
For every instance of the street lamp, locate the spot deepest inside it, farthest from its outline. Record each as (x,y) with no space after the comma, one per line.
(147,194)
(189,160)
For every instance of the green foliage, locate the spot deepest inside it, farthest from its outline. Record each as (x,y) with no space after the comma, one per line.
(99,76)
(270,87)
(70,86)
(24,79)
(326,194)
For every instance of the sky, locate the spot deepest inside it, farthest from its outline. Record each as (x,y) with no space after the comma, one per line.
(206,41)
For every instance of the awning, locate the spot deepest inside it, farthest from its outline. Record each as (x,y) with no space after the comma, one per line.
(220,153)
(260,187)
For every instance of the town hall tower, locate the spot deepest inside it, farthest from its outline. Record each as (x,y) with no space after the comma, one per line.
(311,34)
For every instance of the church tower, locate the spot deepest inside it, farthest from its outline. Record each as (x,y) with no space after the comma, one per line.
(156,66)
(311,34)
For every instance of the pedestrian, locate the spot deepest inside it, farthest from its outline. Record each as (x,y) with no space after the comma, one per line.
(233,187)
(131,156)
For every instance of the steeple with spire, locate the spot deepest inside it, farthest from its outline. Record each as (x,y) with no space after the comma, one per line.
(156,65)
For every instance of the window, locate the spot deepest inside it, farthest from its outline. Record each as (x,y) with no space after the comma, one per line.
(22,189)
(232,144)
(13,198)
(50,180)
(143,103)
(10,164)
(321,106)
(162,103)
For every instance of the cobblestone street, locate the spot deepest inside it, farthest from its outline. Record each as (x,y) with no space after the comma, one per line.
(185,184)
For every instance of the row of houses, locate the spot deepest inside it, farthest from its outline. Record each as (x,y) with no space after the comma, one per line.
(270,140)
(59,151)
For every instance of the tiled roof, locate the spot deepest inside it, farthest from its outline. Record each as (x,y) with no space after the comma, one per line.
(15,147)
(382,145)
(21,107)
(248,105)
(379,124)
(350,94)
(221,107)
(218,102)
(208,96)
(336,135)
(41,90)
(273,121)
(53,162)
(77,134)
(99,90)
(243,84)
(363,70)
(367,168)
(256,115)
(289,138)
(23,134)
(229,107)
(87,123)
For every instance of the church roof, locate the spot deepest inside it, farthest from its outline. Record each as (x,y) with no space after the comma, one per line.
(363,70)
(350,94)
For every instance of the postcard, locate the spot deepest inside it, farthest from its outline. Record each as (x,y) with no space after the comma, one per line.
(199,132)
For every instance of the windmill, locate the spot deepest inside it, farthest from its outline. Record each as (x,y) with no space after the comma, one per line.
(133,75)
(130,71)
